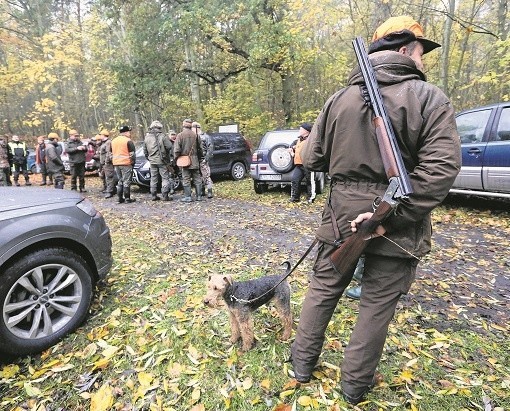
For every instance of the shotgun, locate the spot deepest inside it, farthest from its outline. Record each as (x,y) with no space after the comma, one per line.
(345,257)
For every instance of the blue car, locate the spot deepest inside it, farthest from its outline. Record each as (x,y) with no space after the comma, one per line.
(31,166)
(485,140)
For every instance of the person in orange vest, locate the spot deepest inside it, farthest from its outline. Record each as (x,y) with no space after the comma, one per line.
(123,159)
(299,171)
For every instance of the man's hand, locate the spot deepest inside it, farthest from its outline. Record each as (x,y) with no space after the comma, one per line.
(379,231)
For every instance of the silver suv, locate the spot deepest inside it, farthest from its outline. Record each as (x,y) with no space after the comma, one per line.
(54,248)
(272,164)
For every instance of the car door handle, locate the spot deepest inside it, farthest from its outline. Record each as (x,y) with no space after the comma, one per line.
(474,151)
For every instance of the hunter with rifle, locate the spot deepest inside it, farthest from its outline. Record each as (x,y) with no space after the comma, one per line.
(390,145)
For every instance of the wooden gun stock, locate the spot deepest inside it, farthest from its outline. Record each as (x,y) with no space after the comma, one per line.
(345,258)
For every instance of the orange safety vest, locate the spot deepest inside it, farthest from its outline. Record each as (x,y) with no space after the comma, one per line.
(120,152)
(297,152)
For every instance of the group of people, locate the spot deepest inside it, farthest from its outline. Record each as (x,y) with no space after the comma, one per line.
(116,160)
(13,161)
(189,150)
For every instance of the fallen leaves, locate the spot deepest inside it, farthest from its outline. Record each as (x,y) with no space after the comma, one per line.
(151,344)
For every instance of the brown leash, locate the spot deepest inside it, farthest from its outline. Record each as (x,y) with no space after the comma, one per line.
(240,300)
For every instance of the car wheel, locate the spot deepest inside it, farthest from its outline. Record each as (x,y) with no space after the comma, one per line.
(280,159)
(238,171)
(319,184)
(260,188)
(44,296)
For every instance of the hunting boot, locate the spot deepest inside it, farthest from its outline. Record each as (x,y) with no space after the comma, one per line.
(120,194)
(198,189)
(310,195)
(155,196)
(127,195)
(166,197)
(187,194)
(354,292)
(294,192)
(209,193)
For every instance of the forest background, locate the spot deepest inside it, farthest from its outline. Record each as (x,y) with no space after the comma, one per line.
(261,64)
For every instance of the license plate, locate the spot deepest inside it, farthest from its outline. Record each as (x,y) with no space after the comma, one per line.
(271,177)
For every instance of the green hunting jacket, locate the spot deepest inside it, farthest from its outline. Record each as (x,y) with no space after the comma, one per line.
(343,144)
(188,143)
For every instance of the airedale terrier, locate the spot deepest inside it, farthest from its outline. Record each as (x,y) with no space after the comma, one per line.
(242,299)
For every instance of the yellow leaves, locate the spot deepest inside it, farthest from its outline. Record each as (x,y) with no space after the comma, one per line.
(9,371)
(103,399)
(307,401)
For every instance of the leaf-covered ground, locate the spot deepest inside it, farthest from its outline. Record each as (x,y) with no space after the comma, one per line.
(151,344)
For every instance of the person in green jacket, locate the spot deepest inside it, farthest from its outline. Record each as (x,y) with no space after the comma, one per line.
(343,144)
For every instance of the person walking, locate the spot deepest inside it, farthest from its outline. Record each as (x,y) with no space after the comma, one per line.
(343,143)
(77,156)
(123,159)
(40,161)
(54,163)
(187,144)
(207,152)
(19,154)
(159,151)
(105,160)
(300,172)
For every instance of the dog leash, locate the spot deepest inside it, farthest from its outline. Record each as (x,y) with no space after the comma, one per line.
(289,272)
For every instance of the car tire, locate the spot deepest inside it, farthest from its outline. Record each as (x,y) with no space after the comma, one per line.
(280,159)
(33,319)
(260,188)
(320,184)
(238,171)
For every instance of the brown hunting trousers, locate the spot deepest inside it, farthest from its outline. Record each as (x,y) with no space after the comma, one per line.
(384,280)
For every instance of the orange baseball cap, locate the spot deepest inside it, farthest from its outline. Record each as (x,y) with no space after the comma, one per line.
(398,31)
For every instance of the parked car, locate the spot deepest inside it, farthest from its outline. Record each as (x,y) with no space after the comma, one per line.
(31,166)
(54,248)
(485,140)
(231,156)
(142,171)
(272,163)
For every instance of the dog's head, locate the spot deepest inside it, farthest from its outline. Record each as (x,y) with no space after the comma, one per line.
(216,286)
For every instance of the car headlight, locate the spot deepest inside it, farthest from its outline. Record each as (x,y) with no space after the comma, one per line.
(87,207)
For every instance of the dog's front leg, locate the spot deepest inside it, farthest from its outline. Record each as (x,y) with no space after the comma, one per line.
(234,327)
(246,326)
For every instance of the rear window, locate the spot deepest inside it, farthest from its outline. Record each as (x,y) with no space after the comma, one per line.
(273,138)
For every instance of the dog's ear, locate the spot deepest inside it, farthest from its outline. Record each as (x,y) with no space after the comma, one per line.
(228,279)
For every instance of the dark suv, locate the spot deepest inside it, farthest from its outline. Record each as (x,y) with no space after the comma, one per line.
(272,163)
(231,156)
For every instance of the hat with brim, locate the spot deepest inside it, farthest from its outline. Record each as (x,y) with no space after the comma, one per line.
(124,129)
(397,32)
